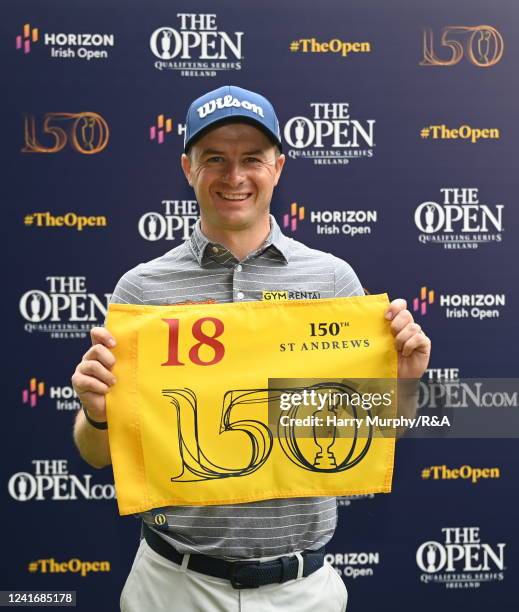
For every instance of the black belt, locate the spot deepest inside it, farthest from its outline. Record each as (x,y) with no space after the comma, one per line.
(241,574)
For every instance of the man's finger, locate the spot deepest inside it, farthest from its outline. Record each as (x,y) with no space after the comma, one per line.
(403,318)
(407,332)
(84,384)
(100,353)
(100,335)
(96,370)
(394,308)
(419,342)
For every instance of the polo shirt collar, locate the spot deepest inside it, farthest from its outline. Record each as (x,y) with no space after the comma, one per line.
(201,245)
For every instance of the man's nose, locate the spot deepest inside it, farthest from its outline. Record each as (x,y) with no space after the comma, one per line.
(233,174)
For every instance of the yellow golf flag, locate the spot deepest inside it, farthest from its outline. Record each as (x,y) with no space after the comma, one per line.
(230,403)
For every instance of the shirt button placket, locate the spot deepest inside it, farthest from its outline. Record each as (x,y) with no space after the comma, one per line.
(239,294)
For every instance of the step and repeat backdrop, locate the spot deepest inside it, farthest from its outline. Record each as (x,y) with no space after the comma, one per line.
(399,123)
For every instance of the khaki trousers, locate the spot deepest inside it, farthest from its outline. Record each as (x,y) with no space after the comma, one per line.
(156,584)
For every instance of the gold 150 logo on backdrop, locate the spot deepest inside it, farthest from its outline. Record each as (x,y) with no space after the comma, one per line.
(482,46)
(86,132)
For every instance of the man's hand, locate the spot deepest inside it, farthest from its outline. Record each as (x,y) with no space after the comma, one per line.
(92,379)
(413,346)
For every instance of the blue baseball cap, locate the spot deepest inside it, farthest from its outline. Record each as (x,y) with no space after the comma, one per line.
(226,105)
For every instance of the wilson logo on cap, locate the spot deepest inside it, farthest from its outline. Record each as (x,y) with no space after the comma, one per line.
(227,101)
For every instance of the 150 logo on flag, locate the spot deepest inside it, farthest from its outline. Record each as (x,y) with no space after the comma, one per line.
(207,405)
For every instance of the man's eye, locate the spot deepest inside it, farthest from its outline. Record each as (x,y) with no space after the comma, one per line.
(215,159)
(252,160)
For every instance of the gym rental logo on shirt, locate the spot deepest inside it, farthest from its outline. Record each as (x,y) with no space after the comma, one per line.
(270,296)
(197,48)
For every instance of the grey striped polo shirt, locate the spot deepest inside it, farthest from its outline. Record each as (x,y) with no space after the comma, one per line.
(197,271)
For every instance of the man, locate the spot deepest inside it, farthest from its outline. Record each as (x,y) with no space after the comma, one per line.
(232,159)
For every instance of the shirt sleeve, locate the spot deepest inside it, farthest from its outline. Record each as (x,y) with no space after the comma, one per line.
(347,283)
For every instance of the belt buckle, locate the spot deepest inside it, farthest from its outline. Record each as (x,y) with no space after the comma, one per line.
(235,579)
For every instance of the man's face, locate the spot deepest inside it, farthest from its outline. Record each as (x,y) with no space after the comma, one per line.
(233,170)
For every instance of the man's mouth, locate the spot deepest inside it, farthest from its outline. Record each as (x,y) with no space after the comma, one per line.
(233,197)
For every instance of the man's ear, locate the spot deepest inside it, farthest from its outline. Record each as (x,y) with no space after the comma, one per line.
(185,162)
(280,162)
